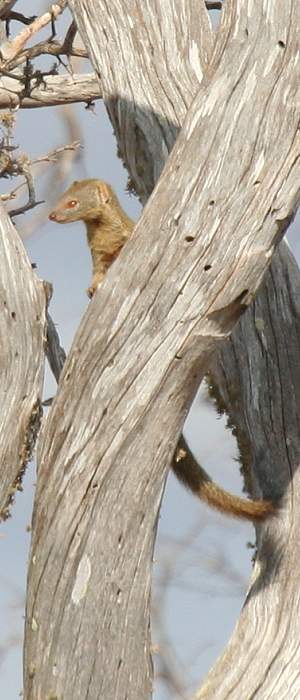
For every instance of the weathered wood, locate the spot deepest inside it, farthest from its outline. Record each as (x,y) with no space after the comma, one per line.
(258,374)
(147,335)
(22,324)
(161,54)
(6,6)
(55,90)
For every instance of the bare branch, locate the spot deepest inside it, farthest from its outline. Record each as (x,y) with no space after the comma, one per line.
(23,166)
(12,48)
(19,17)
(53,90)
(50,48)
(51,157)
(24,169)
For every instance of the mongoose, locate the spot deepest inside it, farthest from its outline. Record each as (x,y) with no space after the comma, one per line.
(108,228)
(107,225)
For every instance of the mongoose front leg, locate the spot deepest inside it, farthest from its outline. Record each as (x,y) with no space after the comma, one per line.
(97,279)
(102,261)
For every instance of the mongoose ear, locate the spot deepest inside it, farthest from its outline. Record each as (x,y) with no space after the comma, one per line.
(104,192)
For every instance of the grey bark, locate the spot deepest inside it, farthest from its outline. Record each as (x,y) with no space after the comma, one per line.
(224,200)
(22,331)
(5,7)
(258,375)
(55,90)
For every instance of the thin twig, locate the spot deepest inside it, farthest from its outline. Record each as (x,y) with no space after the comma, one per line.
(52,155)
(19,17)
(31,202)
(12,48)
(50,48)
(22,167)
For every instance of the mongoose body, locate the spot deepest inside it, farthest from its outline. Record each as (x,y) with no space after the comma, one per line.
(108,228)
(107,225)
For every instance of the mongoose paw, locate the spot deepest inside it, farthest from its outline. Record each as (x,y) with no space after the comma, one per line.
(97,279)
(91,291)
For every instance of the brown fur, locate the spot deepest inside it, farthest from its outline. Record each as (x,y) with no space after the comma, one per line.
(196,479)
(107,225)
(108,228)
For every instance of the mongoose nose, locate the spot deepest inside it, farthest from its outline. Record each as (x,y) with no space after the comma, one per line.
(52,216)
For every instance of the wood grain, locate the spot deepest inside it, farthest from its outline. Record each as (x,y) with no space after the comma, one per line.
(200,250)
(22,328)
(258,375)
(55,90)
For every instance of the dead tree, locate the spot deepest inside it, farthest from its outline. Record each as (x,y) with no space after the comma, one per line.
(227,106)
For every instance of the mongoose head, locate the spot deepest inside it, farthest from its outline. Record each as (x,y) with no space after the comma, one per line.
(86,200)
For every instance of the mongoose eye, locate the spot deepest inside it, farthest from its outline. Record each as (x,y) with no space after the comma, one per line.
(72,203)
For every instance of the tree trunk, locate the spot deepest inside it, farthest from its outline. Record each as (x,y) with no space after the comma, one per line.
(22,337)
(258,376)
(223,201)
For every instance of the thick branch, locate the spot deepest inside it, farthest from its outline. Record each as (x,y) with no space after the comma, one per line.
(22,324)
(54,90)
(258,375)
